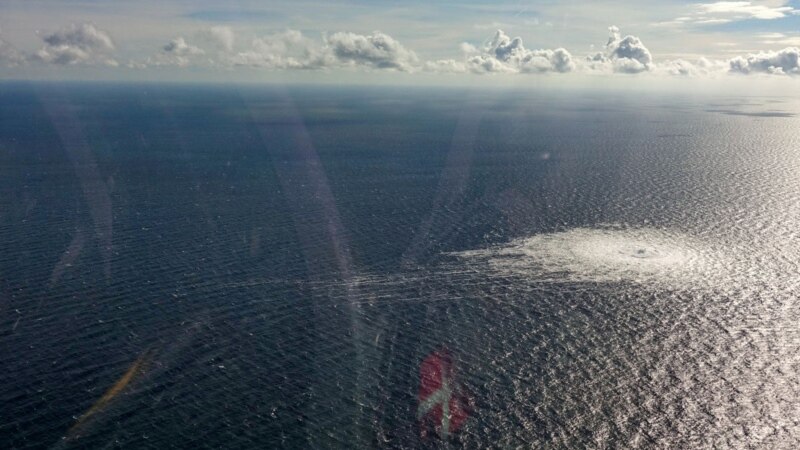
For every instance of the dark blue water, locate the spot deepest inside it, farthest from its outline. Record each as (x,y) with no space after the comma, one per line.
(206,266)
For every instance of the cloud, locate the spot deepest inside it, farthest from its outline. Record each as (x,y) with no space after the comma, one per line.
(9,56)
(502,54)
(284,50)
(290,49)
(77,44)
(782,62)
(680,67)
(629,55)
(558,60)
(488,64)
(743,10)
(622,55)
(223,36)
(780,39)
(512,54)
(282,43)
(468,49)
(445,66)
(377,50)
(176,52)
(702,67)
(715,13)
(179,47)
(84,36)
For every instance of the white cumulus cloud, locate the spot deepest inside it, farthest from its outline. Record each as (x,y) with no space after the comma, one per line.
(503,54)
(488,64)
(781,62)
(622,55)
(77,44)
(290,49)
(178,46)
(377,50)
(176,52)
(220,47)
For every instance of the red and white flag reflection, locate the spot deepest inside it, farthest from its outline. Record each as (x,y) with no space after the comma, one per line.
(442,400)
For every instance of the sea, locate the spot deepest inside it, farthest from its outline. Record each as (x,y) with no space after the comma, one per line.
(265,266)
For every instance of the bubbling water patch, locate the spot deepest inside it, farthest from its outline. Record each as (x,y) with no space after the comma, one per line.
(641,255)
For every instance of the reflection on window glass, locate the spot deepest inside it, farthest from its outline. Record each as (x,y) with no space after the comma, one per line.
(399,224)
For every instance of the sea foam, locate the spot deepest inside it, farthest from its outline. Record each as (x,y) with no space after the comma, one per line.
(641,255)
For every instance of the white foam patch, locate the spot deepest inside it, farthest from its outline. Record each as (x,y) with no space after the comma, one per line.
(642,255)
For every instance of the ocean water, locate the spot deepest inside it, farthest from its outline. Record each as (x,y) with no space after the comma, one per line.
(231,267)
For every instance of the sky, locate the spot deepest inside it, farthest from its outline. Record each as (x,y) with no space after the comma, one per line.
(411,41)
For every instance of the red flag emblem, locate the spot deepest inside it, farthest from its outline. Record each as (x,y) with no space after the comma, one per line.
(441,398)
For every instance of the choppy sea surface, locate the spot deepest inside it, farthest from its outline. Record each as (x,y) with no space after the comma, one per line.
(230,267)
